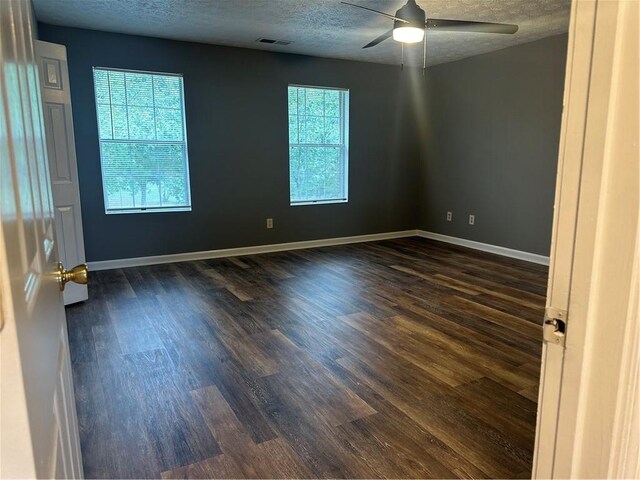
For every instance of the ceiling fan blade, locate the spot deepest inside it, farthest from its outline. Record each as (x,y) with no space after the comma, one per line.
(376,11)
(468,26)
(379,39)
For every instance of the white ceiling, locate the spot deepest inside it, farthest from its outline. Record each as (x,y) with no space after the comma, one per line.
(324,28)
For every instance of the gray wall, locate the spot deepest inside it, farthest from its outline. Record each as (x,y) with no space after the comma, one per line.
(480,137)
(490,145)
(237,131)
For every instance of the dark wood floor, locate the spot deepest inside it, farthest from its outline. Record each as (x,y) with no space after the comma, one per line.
(403,358)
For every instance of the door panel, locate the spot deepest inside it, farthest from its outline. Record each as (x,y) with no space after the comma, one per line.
(58,121)
(64,405)
(33,340)
(58,147)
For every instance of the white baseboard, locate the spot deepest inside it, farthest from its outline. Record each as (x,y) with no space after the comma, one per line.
(485,247)
(326,242)
(234,252)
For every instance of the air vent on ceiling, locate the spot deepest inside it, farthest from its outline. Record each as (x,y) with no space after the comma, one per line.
(273,42)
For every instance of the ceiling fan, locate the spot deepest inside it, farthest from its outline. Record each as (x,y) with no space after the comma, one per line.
(410,24)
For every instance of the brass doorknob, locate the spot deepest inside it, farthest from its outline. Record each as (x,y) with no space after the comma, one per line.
(78,274)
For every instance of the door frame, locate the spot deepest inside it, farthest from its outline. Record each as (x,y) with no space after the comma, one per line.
(589,403)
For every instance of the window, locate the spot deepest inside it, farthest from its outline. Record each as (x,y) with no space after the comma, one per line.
(318,145)
(143,145)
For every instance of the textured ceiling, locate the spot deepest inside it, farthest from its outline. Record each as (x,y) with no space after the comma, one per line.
(324,28)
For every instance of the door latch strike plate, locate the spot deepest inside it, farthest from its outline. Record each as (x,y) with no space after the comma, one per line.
(555,326)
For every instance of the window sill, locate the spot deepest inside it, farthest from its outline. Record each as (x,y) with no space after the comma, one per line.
(318,202)
(148,210)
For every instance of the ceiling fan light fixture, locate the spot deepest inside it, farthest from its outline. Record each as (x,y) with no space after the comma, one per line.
(409,23)
(408,34)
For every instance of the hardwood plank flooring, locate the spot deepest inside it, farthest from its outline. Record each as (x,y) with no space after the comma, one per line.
(397,359)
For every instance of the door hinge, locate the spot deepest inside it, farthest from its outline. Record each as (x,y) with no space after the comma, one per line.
(555,326)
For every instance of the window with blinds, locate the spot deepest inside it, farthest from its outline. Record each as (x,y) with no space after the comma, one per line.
(143,145)
(318,145)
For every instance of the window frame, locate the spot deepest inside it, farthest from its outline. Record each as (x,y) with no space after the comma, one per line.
(163,209)
(344,126)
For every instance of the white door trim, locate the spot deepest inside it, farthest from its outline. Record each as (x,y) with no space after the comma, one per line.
(586,395)
(624,461)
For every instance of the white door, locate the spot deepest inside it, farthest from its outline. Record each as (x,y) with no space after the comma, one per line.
(39,434)
(61,151)
(589,383)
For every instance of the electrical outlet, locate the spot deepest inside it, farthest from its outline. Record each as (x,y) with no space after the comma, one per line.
(449,216)
(269,222)
(472,219)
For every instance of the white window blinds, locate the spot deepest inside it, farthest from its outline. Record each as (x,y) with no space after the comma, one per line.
(143,148)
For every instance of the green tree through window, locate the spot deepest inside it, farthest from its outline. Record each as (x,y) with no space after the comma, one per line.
(143,147)
(318,144)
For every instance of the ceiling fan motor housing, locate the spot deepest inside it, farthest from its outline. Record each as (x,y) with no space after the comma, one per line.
(413,14)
